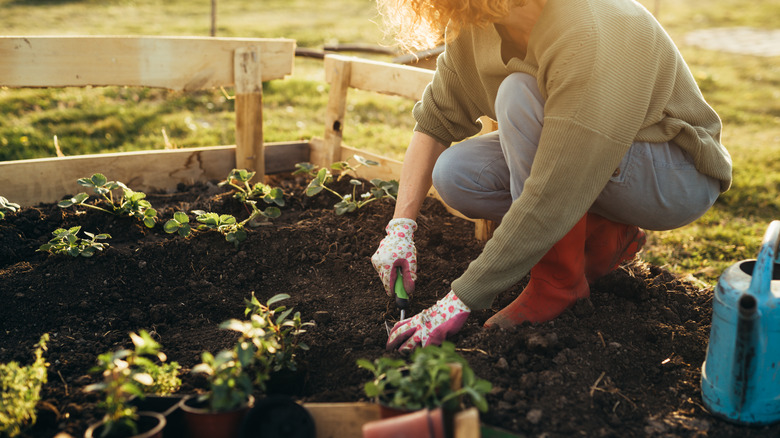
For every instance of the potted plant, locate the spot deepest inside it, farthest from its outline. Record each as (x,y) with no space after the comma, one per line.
(272,336)
(160,396)
(125,375)
(428,380)
(219,412)
(21,391)
(421,394)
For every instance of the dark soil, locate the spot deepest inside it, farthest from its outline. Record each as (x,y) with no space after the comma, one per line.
(624,363)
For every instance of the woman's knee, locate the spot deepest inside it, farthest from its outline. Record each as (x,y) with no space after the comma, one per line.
(519,92)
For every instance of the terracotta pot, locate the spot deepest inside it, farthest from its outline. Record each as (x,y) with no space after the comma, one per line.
(170,408)
(150,425)
(202,423)
(424,423)
(278,416)
(386,411)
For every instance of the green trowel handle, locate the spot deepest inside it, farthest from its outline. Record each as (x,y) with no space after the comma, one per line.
(401,298)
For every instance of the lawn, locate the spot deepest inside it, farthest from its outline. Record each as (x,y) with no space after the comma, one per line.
(744,90)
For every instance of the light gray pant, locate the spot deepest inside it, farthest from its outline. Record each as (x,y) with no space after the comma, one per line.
(656,186)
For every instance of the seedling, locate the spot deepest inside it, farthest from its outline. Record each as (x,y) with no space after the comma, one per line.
(425,381)
(239,180)
(270,336)
(7,206)
(68,242)
(350,202)
(230,385)
(21,391)
(128,203)
(126,373)
(179,224)
(228,225)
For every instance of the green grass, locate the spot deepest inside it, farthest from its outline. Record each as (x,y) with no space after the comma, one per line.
(744,90)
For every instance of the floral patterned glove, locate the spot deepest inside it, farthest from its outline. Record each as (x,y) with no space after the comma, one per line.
(397,250)
(431,326)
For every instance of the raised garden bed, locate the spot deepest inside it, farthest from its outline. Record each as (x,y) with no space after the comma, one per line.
(626,362)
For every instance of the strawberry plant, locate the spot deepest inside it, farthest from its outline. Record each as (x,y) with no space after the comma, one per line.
(323,178)
(117,198)
(21,391)
(127,373)
(179,224)
(68,242)
(227,224)
(239,180)
(7,206)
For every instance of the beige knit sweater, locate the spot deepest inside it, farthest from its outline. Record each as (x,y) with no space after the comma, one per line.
(610,76)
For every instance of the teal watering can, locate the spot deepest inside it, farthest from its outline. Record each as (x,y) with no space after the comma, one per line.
(741,374)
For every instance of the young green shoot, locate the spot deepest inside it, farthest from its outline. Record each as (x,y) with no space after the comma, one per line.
(226,224)
(66,241)
(240,179)
(116,198)
(323,178)
(7,206)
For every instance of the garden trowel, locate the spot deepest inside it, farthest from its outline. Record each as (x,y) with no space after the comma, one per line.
(401,297)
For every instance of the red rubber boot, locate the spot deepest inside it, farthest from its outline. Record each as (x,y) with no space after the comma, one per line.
(557,282)
(608,244)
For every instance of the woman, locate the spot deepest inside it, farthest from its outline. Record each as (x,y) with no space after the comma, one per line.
(601,130)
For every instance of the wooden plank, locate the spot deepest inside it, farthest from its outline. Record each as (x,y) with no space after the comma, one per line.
(249,111)
(341,420)
(382,77)
(43,180)
(176,63)
(466,424)
(339,72)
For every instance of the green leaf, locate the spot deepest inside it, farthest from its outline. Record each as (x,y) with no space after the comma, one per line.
(185,230)
(171,226)
(181,217)
(364,161)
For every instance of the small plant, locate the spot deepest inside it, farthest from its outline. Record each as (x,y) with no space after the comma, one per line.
(350,202)
(7,206)
(127,373)
(239,180)
(270,335)
(425,381)
(228,225)
(21,391)
(68,242)
(128,203)
(179,224)
(230,385)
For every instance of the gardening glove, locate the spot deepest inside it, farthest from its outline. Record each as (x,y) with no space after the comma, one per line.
(397,250)
(431,326)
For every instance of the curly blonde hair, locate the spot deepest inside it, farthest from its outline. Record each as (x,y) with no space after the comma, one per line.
(420,24)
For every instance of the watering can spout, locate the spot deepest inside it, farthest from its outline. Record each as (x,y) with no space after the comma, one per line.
(745,350)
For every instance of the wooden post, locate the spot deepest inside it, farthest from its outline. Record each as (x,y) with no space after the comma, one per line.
(213,17)
(249,111)
(341,71)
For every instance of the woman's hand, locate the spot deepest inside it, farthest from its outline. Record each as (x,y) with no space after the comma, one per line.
(397,251)
(431,326)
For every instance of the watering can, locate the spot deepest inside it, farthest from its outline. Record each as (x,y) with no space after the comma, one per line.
(741,373)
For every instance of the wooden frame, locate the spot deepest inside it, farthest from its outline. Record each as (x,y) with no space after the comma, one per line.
(175,63)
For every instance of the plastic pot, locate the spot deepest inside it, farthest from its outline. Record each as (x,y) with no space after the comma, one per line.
(170,408)
(278,416)
(424,423)
(202,423)
(150,425)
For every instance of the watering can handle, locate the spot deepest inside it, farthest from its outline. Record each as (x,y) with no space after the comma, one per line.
(767,257)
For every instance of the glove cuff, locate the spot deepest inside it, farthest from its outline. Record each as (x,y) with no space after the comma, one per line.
(401,225)
(452,300)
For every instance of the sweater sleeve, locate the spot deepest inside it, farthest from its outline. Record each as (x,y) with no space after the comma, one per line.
(448,110)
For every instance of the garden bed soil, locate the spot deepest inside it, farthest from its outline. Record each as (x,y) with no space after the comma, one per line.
(625,362)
